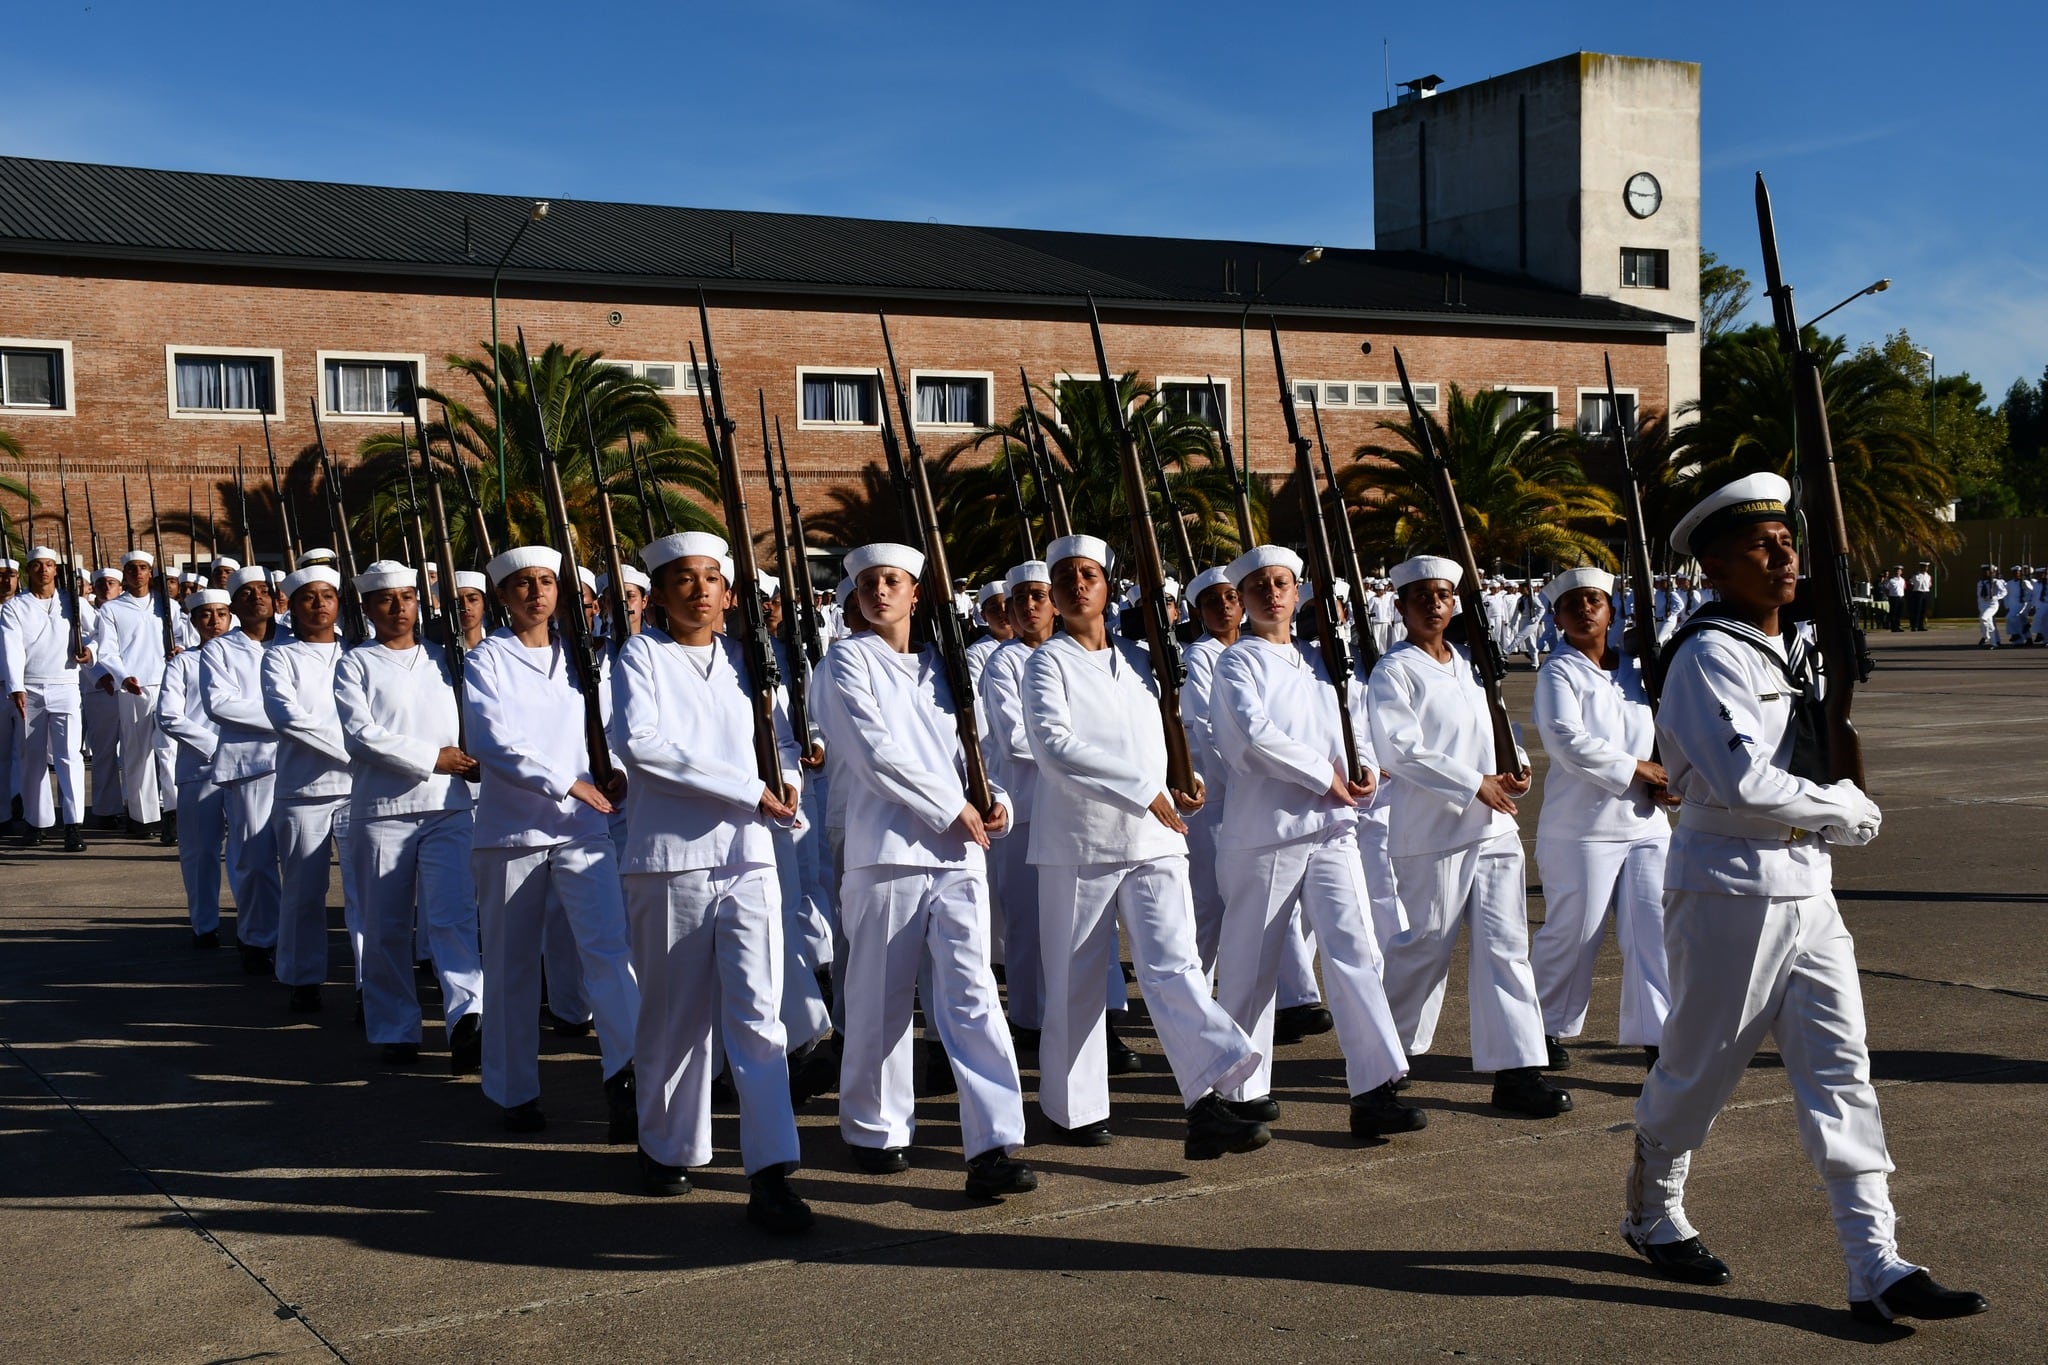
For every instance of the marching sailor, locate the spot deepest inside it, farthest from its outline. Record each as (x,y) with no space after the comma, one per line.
(1457,855)
(102,716)
(42,677)
(1990,596)
(131,658)
(1600,837)
(409,825)
(245,761)
(1757,946)
(10,719)
(1288,846)
(1029,616)
(1110,844)
(202,804)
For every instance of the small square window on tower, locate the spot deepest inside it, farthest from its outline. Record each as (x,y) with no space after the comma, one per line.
(1643,268)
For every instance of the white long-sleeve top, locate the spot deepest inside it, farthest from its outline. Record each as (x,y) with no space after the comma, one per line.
(298,696)
(1196,698)
(685,729)
(231,694)
(820,696)
(978,655)
(1430,729)
(130,642)
(180,715)
(35,647)
(1596,725)
(397,712)
(1277,727)
(1008,746)
(526,733)
(1093,720)
(1726,736)
(891,718)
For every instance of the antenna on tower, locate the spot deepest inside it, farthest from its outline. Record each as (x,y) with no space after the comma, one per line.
(1387,68)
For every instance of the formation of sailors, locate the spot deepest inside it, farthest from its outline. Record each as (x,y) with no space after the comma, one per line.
(669,896)
(2020,595)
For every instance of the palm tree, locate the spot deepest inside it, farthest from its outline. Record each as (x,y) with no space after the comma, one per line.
(12,449)
(1523,493)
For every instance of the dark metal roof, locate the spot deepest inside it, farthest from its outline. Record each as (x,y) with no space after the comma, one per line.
(73,209)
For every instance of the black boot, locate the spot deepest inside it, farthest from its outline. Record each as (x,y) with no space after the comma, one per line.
(813,1071)
(1297,1022)
(773,1206)
(1214,1130)
(1650,1054)
(934,1071)
(1086,1135)
(1379,1112)
(401,1054)
(1264,1109)
(167,832)
(209,939)
(1688,1261)
(255,961)
(1558,1059)
(466,1045)
(1918,1296)
(525,1118)
(1522,1090)
(994,1174)
(74,839)
(305,1000)
(660,1179)
(1122,1061)
(622,1106)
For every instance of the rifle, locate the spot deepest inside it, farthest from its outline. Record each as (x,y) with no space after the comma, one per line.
(1025,537)
(212,532)
(377,524)
(910,525)
(162,589)
(1347,542)
(614,566)
(294,547)
(1845,657)
(1238,489)
(242,494)
(755,646)
(1479,640)
(28,505)
(67,576)
(1180,526)
(574,625)
(640,490)
(1637,556)
(451,595)
(92,532)
(806,587)
(356,629)
(1168,667)
(945,625)
(127,522)
(792,647)
(423,591)
(1051,493)
(7,541)
(1322,568)
(191,534)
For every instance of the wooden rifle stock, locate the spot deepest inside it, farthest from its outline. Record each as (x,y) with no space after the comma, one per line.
(797,684)
(1240,493)
(451,594)
(1642,583)
(806,585)
(67,576)
(355,628)
(1051,492)
(1172,507)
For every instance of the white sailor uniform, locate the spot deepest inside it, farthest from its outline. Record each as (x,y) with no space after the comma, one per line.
(245,768)
(131,645)
(35,633)
(201,802)
(311,808)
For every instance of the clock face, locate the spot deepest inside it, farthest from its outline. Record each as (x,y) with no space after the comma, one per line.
(1643,195)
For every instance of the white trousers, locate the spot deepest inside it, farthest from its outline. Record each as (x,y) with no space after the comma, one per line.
(147,765)
(411,869)
(1481,884)
(1078,910)
(202,834)
(514,888)
(805,1018)
(310,831)
(707,948)
(1317,879)
(896,920)
(50,739)
(252,859)
(1987,625)
(103,741)
(10,755)
(1583,884)
(1203,888)
(1016,886)
(563,963)
(814,865)
(1297,978)
(1744,968)
(1388,919)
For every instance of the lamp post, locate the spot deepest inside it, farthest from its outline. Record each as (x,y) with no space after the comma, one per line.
(1933,410)
(1244,412)
(1877,288)
(533,215)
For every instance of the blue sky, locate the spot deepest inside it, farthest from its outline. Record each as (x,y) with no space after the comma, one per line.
(1901,141)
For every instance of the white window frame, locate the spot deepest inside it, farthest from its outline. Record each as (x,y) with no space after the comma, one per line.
(685,375)
(1390,393)
(320,362)
(1198,381)
(1548,389)
(175,349)
(69,408)
(804,371)
(1634,397)
(988,386)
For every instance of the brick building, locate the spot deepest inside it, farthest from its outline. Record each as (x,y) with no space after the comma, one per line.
(145,315)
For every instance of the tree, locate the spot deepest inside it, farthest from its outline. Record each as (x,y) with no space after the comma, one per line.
(1724,293)
(1523,493)
(11,448)
(2026,459)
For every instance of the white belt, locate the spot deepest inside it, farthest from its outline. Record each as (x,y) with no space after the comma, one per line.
(1714,820)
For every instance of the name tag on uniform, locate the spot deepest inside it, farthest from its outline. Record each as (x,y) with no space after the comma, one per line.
(1768,696)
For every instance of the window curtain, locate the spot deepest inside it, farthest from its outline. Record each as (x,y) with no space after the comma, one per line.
(372,387)
(223,383)
(837,398)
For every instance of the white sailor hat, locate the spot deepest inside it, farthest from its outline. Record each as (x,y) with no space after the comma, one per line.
(1342,591)
(682,545)
(1759,497)
(106,573)
(1261,557)
(1080,547)
(9,564)
(317,555)
(884,553)
(242,578)
(277,580)
(138,557)
(1571,580)
(1207,579)
(188,578)
(524,557)
(227,562)
(586,578)
(994,588)
(432,567)
(311,574)
(45,552)
(1030,571)
(1427,566)
(470,578)
(768,583)
(635,578)
(206,597)
(385,573)
(842,590)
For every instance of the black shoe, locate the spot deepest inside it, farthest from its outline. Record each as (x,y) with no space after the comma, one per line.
(466,1045)
(1264,1109)
(660,1179)
(880,1160)
(1918,1296)
(208,940)
(1025,1039)
(255,961)
(1688,1260)
(1650,1055)
(29,835)
(1379,1112)
(1297,1022)
(1522,1090)
(934,1071)
(74,839)
(1086,1135)
(1559,1059)
(622,1106)
(1402,1084)
(401,1054)
(167,832)
(994,1174)
(525,1118)
(1214,1130)
(813,1071)
(1122,1061)
(305,1000)
(564,1028)
(134,828)
(824,975)
(724,1094)
(773,1206)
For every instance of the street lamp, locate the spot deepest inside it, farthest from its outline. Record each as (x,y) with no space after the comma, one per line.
(533,215)
(1877,288)
(1933,412)
(1244,412)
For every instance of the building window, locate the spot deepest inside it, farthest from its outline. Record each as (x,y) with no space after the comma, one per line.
(1353,393)
(833,398)
(226,382)
(1542,400)
(668,376)
(1195,398)
(951,400)
(369,388)
(1365,395)
(1596,414)
(1642,268)
(33,377)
